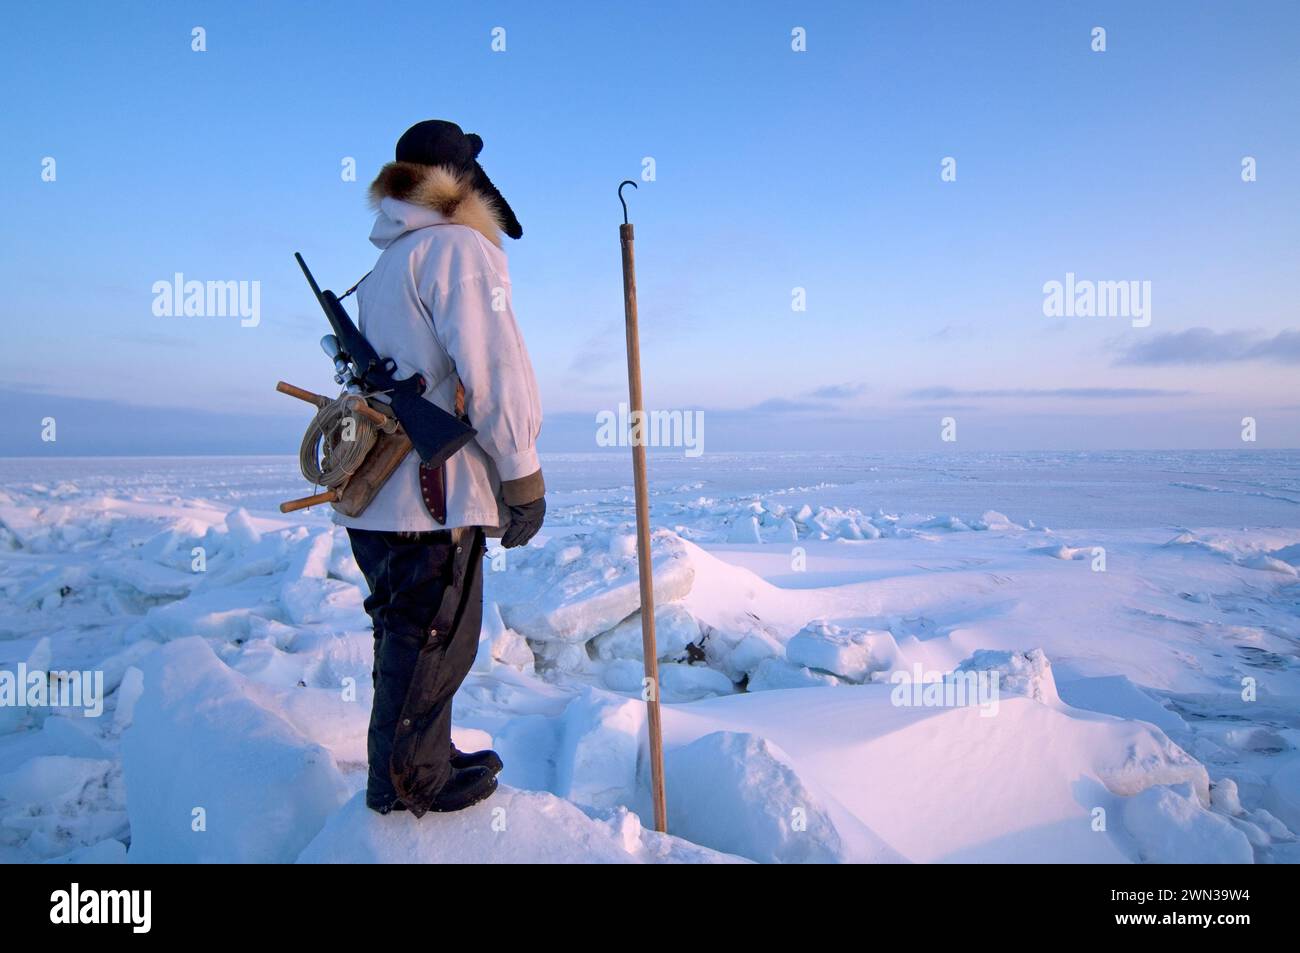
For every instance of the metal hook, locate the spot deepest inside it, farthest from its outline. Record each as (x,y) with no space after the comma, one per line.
(620,196)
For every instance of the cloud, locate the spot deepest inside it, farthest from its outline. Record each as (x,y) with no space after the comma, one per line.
(837,391)
(820,400)
(1206,346)
(598,351)
(782,405)
(1069,393)
(950,332)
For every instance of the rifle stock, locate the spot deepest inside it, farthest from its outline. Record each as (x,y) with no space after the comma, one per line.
(435,433)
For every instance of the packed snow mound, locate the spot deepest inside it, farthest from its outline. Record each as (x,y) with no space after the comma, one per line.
(1171,826)
(510,827)
(1018,781)
(739,793)
(214,774)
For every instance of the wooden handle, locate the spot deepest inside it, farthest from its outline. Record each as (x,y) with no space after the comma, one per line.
(360,406)
(301,394)
(329,496)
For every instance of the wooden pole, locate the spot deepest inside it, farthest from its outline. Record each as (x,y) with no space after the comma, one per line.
(644,570)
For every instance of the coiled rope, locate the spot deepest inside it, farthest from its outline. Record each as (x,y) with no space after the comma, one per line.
(327,457)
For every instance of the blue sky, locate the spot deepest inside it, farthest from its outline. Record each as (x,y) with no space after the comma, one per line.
(774,170)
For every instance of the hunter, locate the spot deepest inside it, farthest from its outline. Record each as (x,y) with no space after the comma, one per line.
(438,303)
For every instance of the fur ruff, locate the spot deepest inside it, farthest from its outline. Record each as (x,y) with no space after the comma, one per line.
(441,188)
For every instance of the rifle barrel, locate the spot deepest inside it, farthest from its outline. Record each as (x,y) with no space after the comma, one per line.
(307,271)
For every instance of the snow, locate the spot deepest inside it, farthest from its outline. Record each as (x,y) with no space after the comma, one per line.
(214,773)
(846,653)
(1147,704)
(1170,826)
(675,629)
(511,827)
(567,598)
(737,792)
(1020,673)
(600,749)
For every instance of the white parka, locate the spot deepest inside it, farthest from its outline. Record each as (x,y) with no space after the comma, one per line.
(438,303)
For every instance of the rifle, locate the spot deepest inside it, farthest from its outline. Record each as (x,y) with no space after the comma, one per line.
(435,433)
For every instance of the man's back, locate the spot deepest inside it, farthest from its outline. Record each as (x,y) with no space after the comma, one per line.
(438,303)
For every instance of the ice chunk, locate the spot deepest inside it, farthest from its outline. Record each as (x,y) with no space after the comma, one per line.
(623,675)
(61,803)
(737,792)
(576,601)
(1225,798)
(148,579)
(751,651)
(675,628)
(241,529)
(46,781)
(851,654)
(993,520)
(744,530)
(213,772)
(600,745)
(692,682)
(1169,826)
(128,693)
(308,594)
(774,673)
(950,523)
(500,645)
(1020,673)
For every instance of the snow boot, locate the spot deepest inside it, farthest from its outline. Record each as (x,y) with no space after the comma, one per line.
(472,759)
(465,788)
(385,806)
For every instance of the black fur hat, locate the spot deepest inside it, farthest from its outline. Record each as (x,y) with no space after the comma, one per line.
(439,142)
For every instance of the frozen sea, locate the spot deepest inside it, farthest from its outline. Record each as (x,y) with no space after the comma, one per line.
(1139,611)
(1094,489)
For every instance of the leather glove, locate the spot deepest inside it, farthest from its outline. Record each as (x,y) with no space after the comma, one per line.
(525,521)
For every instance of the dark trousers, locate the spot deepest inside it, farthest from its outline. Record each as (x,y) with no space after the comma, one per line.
(426,603)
